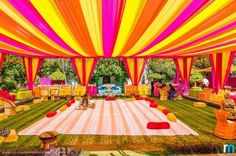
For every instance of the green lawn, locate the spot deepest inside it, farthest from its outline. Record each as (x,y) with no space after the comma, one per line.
(202,120)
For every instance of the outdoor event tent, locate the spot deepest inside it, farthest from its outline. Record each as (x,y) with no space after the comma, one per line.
(127,29)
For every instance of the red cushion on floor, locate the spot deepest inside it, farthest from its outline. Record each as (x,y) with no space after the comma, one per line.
(110,99)
(158,125)
(72,101)
(166,111)
(139,98)
(68,104)
(153,105)
(147,99)
(51,114)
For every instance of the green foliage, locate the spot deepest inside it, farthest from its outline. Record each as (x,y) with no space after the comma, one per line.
(161,69)
(9,85)
(195,77)
(57,75)
(110,67)
(12,73)
(202,62)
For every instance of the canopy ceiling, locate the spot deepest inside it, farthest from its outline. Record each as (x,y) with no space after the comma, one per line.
(117,28)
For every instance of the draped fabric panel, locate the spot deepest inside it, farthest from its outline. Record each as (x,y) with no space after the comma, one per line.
(84,68)
(221,65)
(134,67)
(32,66)
(184,67)
(1,60)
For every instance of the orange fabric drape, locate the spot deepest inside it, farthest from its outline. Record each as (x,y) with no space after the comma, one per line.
(84,68)
(134,67)
(1,59)
(32,66)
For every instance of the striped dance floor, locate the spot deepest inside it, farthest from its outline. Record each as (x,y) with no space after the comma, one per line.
(108,118)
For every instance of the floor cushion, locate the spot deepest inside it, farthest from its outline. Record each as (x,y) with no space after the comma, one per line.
(153,105)
(110,99)
(161,107)
(51,114)
(199,104)
(12,137)
(3,116)
(139,98)
(2,139)
(68,104)
(158,125)
(165,111)
(72,101)
(171,117)
(63,108)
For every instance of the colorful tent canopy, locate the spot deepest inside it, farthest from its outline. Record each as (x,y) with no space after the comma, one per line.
(32,66)
(117,28)
(134,67)
(184,67)
(221,64)
(84,68)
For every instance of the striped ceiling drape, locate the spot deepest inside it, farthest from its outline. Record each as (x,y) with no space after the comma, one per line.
(32,66)
(134,67)
(84,68)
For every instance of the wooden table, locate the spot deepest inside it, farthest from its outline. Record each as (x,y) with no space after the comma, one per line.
(48,139)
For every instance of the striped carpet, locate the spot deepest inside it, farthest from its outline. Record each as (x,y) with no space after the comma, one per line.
(108,118)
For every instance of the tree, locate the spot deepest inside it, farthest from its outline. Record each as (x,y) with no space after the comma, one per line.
(12,73)
(162,70)
(195,77)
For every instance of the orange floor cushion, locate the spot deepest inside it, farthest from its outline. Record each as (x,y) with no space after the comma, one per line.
(158,125)
(139,98)
(51,114)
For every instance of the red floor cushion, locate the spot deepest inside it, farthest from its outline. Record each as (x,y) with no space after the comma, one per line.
(158,125)
(166,111)
(68,104)
(139,98)
(51,114)
(153,105)
(110,99)
(72,101)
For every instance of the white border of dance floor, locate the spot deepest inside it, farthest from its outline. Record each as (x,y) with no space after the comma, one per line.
(109,118)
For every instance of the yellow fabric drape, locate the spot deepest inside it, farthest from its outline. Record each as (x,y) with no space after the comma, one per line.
(84,68)
(32,66)
(134,67)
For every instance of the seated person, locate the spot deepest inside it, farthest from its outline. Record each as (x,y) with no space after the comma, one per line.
(172,92)
(177,96)
(85,102)
(228,104)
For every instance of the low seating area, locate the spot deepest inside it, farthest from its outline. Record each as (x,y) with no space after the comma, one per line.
(140,90)
(56,91)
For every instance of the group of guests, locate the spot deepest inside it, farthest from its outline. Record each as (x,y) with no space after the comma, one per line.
(173,93)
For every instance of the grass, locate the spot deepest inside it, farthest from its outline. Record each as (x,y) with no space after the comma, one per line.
(202,120)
